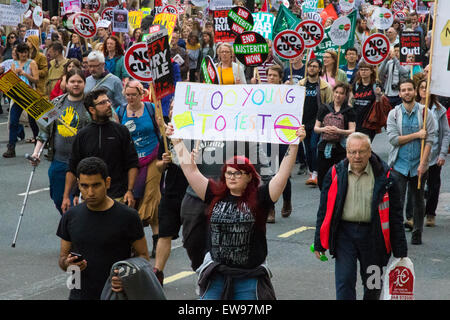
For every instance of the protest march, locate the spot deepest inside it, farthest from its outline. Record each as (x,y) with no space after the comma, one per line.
(214,122)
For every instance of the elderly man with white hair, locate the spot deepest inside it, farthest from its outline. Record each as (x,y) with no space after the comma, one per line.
(100,77)
(359,218)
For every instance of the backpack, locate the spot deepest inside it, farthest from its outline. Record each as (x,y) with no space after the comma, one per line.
(333,119)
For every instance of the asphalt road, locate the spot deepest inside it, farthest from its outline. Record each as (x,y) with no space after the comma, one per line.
(30,270)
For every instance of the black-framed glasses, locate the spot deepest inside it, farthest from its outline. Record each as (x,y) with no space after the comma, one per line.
(236,174)
(103,102)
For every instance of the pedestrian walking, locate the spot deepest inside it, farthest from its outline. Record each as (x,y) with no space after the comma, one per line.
(359,218)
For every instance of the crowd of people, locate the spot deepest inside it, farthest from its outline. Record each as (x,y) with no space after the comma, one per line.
(109,167)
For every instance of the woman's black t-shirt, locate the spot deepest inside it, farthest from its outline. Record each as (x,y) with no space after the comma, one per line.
(236,240)
(364,99)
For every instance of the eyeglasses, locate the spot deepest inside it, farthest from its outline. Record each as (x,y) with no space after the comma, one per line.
(93,65)
(11,37)
(359,152)
(134,95)
(103,102)
(236,174)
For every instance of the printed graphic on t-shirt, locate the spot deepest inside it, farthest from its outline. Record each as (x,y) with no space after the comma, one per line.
(140,138)
(231,233)
(72,119)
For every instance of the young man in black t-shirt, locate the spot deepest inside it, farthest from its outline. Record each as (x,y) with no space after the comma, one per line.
(102,230)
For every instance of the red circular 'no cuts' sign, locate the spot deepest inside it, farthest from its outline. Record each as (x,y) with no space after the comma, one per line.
(376,48)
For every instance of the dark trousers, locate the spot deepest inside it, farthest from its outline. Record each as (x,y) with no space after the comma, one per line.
(354,243)
(417,197)
(15,128)
(434,186)
(310,142)
(287,189)
(194,221)
(323,165)
(370,133)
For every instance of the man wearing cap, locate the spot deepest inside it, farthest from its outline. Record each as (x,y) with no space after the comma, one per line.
(102,32)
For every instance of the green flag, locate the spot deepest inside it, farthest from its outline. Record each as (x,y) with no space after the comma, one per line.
(285,20)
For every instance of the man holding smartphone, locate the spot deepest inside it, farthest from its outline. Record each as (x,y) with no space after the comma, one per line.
(100,229)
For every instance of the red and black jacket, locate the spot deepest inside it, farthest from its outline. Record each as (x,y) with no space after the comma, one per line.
(384,187)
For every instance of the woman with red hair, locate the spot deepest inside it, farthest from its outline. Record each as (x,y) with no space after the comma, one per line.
(234,268)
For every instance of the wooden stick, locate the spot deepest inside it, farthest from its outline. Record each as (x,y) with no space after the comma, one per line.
(291,81)
(258,77)
(427,97)
(338,59)
(159,114)
(308,52)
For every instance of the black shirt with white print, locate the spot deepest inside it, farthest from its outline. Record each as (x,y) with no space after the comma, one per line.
(237,237)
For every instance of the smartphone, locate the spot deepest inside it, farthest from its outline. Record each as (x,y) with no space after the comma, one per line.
(79,257)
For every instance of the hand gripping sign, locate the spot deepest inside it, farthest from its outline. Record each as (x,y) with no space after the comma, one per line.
(251,49)
(376,48)
(84,25)
(136,62)
(311,31)
(288,44)
(209,72)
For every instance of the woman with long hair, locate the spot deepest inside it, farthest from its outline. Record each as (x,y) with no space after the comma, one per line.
(330,70)
(207,44)
(11,41)
(365,94)
(139,118)
(26,69)
(439,150)
(234,267)
(76,47)
(136,36)
(41,62)
(60,86)
(194,51)
(334,123)
(113,52)
(362,32)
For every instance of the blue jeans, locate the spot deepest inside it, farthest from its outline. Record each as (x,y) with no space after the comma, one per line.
(57,178)
(311,141)
(244,289)
(353,244)
(15,128)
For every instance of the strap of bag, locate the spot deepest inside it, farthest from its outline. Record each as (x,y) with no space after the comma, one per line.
(101,81)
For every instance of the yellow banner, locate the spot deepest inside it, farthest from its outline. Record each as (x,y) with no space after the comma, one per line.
(37,106)
(135,19)
(168,20)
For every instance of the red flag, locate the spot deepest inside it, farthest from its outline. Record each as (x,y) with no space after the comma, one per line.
(328,12)
(264,7)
